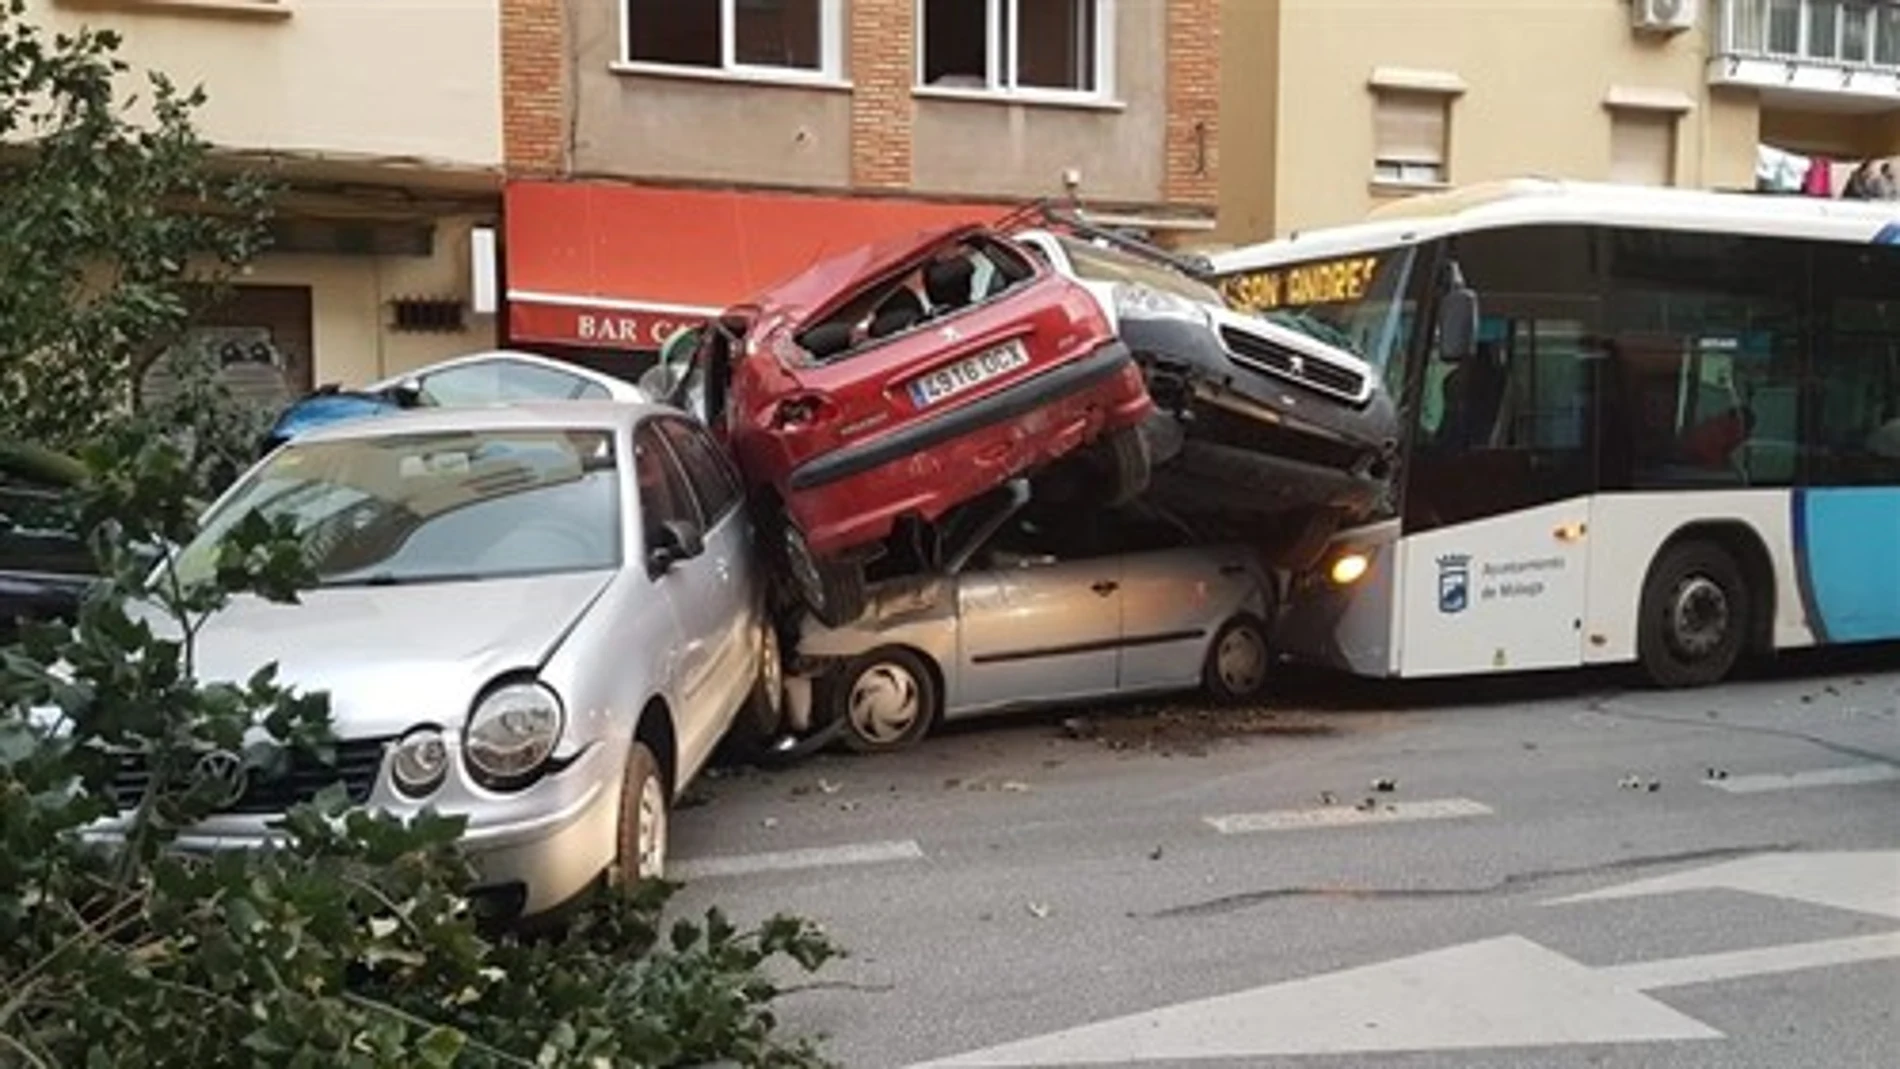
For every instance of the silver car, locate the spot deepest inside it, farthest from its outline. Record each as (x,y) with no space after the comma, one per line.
(1045,612)
(542,617)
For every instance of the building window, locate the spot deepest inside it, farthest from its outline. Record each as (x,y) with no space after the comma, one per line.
(1643,147)
(1032,46)
(1409,137)
(796,37)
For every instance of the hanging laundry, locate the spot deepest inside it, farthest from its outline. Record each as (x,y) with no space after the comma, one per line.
(1820,180)
(1779,171)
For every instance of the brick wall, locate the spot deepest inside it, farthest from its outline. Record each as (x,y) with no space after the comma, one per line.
(1193,102)
(533,86)
(881,64)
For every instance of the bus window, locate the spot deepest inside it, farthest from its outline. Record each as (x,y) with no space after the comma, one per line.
(1853,426)
(1511,426)
(1705,342)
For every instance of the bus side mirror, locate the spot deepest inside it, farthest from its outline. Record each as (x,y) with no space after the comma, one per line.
(1457,323)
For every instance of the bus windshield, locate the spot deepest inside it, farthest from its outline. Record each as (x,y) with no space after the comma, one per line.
(1358,302)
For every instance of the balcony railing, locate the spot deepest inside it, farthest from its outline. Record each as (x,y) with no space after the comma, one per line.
(1840,33)
(1836,46)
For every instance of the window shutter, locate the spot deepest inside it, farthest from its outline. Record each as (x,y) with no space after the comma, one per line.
(1643,148)
(1409,128)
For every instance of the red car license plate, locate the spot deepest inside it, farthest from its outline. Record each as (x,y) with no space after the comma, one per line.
(968,374)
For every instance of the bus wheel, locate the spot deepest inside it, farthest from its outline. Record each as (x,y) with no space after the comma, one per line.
(1695,616)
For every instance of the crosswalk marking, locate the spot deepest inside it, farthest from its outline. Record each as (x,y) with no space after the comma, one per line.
(1335,816)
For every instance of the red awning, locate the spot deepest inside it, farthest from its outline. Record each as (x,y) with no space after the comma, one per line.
(621,267)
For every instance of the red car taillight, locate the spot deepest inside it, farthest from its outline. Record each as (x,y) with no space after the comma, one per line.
(802,410)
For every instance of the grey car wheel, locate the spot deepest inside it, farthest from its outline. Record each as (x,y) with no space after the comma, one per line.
(641,853)
(1239,661)
(887,700)
(762,717)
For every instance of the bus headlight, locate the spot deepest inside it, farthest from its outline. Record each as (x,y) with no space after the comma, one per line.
(1349,568)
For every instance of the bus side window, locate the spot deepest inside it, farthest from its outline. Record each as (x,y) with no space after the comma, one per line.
(1853,404)
(1708,353)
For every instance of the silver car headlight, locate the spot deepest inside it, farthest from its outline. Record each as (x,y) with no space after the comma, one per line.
(421,762)
(1146,300)
(511,733)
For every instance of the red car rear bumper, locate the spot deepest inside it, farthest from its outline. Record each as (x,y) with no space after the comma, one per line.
(853,496)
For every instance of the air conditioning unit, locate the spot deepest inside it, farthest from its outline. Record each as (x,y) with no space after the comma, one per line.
(1664,16)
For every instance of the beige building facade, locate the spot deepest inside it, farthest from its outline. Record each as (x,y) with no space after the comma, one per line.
(668,158)
(1333,107)
(382,122)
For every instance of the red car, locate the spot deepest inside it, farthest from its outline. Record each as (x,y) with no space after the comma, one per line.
(888,386)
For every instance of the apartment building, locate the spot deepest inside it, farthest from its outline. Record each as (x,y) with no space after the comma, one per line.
(382,122)
(1334,107)
(669,158)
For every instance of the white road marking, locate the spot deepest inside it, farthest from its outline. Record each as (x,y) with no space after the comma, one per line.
(1705,968)
(1505,992)
(1495,993)
(791,860)
(1336,816)
(1849,776)
(1865,881)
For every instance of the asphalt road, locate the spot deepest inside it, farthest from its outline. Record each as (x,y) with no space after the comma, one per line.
(1152,888)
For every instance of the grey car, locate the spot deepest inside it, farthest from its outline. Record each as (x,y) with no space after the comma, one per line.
(1048,610)
(543,617)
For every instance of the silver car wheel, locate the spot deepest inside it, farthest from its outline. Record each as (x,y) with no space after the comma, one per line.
(651,853)
(1241,660)
(885,703)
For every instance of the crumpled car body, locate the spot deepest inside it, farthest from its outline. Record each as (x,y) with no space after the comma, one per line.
(881,390)
(1254,421)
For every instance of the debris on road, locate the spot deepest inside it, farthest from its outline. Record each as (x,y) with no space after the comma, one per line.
(1038,910)
(1188,730)
(1328,798)
(1716,773)
(1385,784)
(1155,854)
(829,787)
(1368,805)
(1639,783)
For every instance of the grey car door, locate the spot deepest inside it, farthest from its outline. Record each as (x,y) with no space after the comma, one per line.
(1173,596)
(1038,620)
(690,589)
(732,576)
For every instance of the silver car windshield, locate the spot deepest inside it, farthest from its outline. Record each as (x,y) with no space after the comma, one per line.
(1099,264)
(437,507)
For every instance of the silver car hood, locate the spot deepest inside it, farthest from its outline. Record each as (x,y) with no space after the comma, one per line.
(395,656)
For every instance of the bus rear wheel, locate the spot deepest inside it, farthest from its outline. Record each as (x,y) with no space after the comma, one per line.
(1695,615)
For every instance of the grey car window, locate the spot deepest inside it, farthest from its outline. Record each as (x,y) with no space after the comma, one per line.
(712,479)
(441,506)
(664,494)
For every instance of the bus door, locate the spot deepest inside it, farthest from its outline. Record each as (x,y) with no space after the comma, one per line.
(1502,468)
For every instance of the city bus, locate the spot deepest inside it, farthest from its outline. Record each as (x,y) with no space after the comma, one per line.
(1641,425)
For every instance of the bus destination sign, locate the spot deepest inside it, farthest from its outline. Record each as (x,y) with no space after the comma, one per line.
(1340,281)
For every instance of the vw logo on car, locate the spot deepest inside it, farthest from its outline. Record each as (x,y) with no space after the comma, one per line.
(220,777)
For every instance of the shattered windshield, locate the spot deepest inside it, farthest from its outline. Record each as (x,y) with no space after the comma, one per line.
(435,507)
(1360,302)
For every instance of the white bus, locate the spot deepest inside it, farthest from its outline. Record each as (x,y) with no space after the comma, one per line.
(1640,424)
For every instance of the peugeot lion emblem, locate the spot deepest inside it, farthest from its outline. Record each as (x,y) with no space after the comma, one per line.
(220,775)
